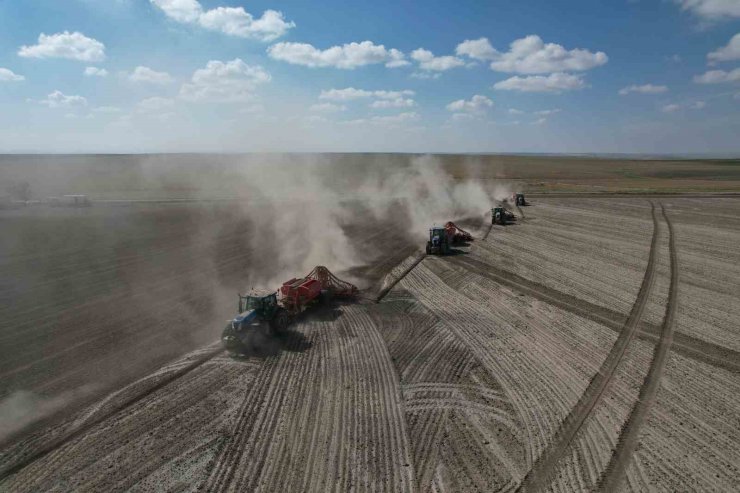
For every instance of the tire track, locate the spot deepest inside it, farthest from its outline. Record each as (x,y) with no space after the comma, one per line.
(68,437)
(383,292)
(684,344)
(628,439)
(538,477)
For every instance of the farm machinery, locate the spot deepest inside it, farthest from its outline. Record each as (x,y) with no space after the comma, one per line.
(439,242)
(501,216)
(518,199)
(270,312)
(458,235)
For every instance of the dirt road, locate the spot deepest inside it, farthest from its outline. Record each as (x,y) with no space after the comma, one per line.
(590,346)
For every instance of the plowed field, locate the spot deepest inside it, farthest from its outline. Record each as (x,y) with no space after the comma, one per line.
(594,344)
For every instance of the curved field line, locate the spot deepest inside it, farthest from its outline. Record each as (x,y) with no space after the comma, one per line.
(66,438)
(488,232)
(538,477)
(615,471)
(383,292)
(684,344)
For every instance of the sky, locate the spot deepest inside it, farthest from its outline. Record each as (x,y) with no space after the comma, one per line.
(542,76)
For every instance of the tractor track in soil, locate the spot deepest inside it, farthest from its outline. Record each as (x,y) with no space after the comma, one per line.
(383,292)
(684,344)
(615,471)
(538,477)
(85,427)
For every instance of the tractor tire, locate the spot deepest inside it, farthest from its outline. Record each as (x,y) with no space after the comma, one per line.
(429,248)
(279,323)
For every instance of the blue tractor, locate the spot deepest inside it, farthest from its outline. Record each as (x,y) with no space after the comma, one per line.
(260,315)
(439,241)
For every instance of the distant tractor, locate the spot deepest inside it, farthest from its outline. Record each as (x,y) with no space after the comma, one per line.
(499,215)
(264,312)
(519,199)
(439,242)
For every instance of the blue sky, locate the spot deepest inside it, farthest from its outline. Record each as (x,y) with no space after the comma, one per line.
(647,76)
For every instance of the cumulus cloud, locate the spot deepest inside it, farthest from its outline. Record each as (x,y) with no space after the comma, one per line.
(347,56)
(718,77)
(74,46)
(514,111)
(553,83)
(673,107)
(58,99)
(393,103)
(350,93)
(547,112)
(328,107)
(478,104)
(426,75)
(478,49)
(7,75)
(95,72)
(643,89)
(427,61)
(395,119)
(530,55)
(711,9)
(539,121)
(146,74)
(726,53)
(219,81)
(154,105)
(233,21)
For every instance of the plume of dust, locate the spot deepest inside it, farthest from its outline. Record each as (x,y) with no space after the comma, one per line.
(22,408)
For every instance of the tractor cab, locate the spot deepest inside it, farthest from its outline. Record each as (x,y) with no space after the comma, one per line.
(501,216)
(519,199)
(438,241)
(257,311)
(261,302)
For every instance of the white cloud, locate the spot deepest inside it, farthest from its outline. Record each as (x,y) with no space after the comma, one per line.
(224,82)
(643,89)
(530,55)
(426,75)
(347,56)
(328,107)
(233,21)
(459,117)
(395,119)
(514,111)
(58,99)
(7,75)
(540,121)
(393,103)
(477,105)
(95,72)
(670,108)
(554,83)
(711,9)
(718,77)
(427,61)
(698,105)
(350,93)
(154,105)
(145,74)
(726,53)
(478,49)
(548,112)
(107,109)
(74,46)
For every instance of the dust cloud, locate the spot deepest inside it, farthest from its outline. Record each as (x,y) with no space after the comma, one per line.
(22,407)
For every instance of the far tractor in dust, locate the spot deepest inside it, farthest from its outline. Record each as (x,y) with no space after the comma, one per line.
(519,199)
(268,312)
(500,215)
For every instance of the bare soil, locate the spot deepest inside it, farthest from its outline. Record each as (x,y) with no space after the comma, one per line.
(591,345)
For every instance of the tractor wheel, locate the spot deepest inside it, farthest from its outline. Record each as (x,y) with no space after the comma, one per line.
(280,322)
(429,248)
